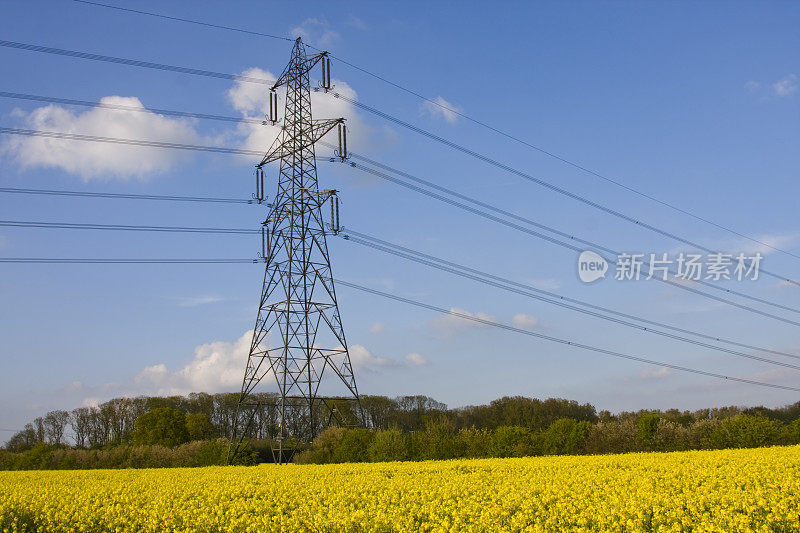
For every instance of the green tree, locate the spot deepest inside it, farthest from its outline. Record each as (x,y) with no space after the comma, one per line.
(198,426)
(647,428)
(564,436)
(507,440)
(389,445)
(745,431)
(163,425)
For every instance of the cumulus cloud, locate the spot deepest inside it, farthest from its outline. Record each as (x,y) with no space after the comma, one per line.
(377,327)
(194,301)
(785,86)
(316,31)
(752,86)
(101,161)
(217,366)
(416,359)
(525,321)
(441,108)
(782,88)
(655,373)
(362,358)
(456,321)
(356,23)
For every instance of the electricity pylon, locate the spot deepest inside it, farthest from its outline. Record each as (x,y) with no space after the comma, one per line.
(298,336)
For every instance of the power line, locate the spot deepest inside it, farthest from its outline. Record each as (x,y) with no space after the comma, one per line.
(538,181)
(123,227)
(132,62)
(348,231)
(72,260)
(425,306)
(416,129)
(137,142)
(557,242)
(131,142)
(557,339)
(218,26)
(466,117)
(368,160)
(435,262)
(531,292)
(122,107)
(50,192)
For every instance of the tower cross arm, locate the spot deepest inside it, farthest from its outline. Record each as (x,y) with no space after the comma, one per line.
(285,146)
(297,69)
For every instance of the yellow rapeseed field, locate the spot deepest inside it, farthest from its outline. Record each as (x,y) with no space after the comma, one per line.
(731,490)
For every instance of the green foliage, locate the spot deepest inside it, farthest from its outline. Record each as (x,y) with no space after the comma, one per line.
(324,447)
(745,431)
(791,433)
(353,446)
(647,427)
(198,426)
(564,436)
(389,445)
(510,441)
(163,426)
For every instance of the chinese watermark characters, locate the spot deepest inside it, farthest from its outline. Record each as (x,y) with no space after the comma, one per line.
(715,266)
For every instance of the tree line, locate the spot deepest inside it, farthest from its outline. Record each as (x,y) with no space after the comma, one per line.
(193,431)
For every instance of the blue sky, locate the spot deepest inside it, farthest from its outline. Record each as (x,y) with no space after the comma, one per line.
(695,104)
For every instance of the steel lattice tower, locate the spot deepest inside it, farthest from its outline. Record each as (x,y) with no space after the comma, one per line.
(298,335)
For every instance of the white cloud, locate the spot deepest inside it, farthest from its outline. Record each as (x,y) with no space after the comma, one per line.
(356,22)
(316,31)
(441,108)
(785,86)
(752,86)
(377,327)
(525,321)
(362,358)
(452,323)
(193,301)
(655,373)
(416,359)
(92,160)
(217,366)
(92,401)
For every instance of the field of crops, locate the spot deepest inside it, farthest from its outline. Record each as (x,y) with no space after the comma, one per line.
(732,490)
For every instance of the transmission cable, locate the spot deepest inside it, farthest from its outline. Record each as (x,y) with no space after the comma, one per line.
(425,306)
(124,196)
(538,181)
(462,115)
(556,339)
(137,142)
(72,260)
(133,62)
(553,240)
(159,15)
(123,227)
(435,262)
(386,116)
(356,156)
(524,290)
